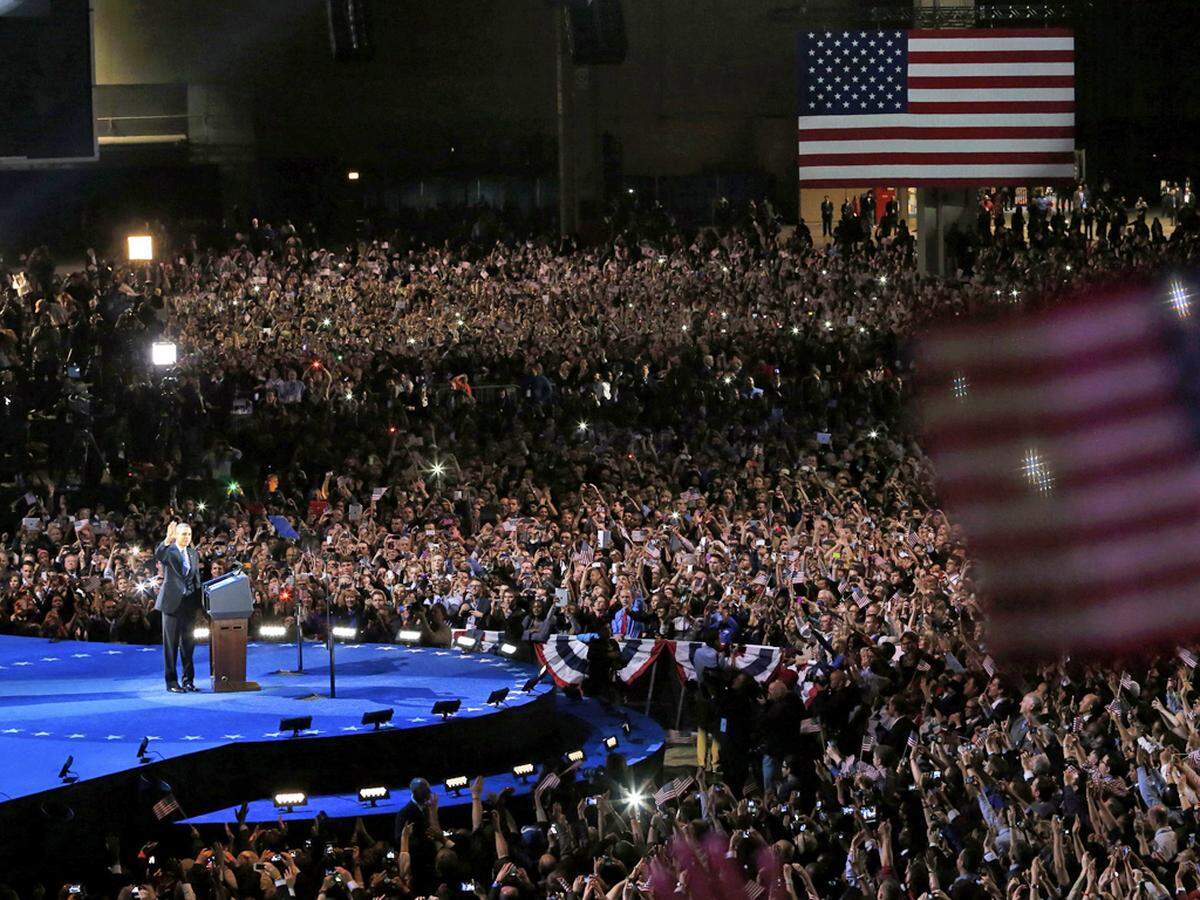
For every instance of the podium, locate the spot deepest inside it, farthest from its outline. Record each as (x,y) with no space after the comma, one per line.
(228,602)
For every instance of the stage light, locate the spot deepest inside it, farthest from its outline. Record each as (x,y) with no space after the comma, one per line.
(635,799)
(626,726)
(611,742)
(509,649)
(295,725)
(272,631)
(378,717)
(143,751)
(200,634)
(65,775)
(289,800)
(529,685)
(456,784)
(466,642)
(498,696)
(164,353)
(522,772)
(373,795)
(575,756)
(406,636)
(345,632)
(139,248)
(353,175)
(446,708)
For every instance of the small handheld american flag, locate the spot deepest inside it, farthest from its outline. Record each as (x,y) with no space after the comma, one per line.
(165,807)
(1066,443)
(672,790)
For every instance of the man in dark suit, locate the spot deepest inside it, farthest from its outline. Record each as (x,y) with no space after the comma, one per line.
(415,816)
(178,601)
(826,217)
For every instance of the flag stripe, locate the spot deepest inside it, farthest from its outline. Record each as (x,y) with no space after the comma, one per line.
(989,57)
(933,159)
(1064,147)
(1027,119)
(949,82)
(911,175)
(918,44)
(985,107)
(982,133)
(992,35)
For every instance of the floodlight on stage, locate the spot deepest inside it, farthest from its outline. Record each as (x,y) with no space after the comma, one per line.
(378,717)
(575,756)
(272,631)
(140,248)
(345,632)
(164,353)
(522,772)
(626,726)
(289,800)
(508,649)
(373,795)
(498,696)
(295,725)
(353,175)
(446,708)
(408,636)
(611,742)
(143,751)
(529,685)
(466,642)
(455,785)
(200,634)
(65,775)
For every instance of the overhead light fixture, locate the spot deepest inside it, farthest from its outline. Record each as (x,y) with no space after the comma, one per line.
(405,636)
(575,756)
(457,784)
(378,717)
(373,795)
(611,742)
(65,775)
(446,708)
(498,696)
(295,725)
(289,800)
(522,772)
(139,248)
(345,632)
(164,353)
(272,631)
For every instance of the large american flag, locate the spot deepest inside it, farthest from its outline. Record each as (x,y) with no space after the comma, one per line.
(936,107)
(1067,443)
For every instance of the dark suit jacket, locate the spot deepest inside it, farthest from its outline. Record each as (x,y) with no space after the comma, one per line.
(175,586)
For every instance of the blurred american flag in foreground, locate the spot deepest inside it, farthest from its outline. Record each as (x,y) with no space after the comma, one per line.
(1066,443)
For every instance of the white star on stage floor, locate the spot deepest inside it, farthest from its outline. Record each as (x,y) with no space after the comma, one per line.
(115,737)
(272,734)
(11,731)
(82,655)
(42,733)
(49,659)
(193,737)
(349,728)
(112,652)
(75,736)
(153,737)
(22,664)
(231,737)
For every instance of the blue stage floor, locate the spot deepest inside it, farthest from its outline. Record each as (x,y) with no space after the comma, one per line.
(96,702)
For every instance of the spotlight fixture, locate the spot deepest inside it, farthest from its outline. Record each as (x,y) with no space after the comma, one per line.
(611,742)
(345,632)
(575,756)
(508,649)
(466,642)
(139,248)
(272,631)
(529,685)
(353,175)
(143,751)
(626,726)
(455,785)
(289,800)
(498,696)
(373,795)
(522,772)
(295,724)
(446,708)
(65,775)
(378,717)
(406,636)
(200,634)
(164,353)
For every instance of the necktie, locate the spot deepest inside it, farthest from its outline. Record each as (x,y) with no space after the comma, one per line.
(187,566)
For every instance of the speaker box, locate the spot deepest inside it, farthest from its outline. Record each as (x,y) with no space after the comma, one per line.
(350,29)
(596,32)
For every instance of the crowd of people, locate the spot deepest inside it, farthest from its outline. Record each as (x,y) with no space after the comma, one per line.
(698,437)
